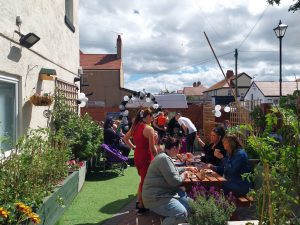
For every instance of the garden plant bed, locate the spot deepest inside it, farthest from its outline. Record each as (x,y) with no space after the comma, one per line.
(54,206)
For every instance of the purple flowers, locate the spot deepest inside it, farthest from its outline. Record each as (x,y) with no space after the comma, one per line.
(216,193)
(210,206)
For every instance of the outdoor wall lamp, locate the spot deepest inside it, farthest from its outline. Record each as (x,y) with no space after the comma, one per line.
(28,40)
(280,32)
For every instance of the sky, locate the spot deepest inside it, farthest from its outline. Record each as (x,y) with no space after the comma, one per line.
(165,48)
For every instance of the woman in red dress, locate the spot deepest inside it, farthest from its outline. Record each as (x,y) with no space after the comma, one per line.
(145,149)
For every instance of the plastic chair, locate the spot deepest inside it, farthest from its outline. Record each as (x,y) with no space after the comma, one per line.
(114,156)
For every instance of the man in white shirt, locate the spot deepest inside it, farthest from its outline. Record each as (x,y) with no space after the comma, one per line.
(189,130)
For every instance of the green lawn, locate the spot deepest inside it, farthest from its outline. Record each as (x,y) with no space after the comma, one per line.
(103,194)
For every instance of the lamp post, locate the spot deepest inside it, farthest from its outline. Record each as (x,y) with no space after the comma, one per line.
(280,32)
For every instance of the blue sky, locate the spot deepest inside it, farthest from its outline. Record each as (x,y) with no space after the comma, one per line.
(164,44)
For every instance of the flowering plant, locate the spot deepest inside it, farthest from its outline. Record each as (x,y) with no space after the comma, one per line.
(210,207)
(74,164)
(20,214)
(41,100)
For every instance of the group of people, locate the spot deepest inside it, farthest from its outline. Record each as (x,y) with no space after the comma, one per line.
(160,188)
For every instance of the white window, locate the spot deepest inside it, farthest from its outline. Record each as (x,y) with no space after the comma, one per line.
(8,112)
(69,16)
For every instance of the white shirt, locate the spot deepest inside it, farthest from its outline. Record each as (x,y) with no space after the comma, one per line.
(188,123)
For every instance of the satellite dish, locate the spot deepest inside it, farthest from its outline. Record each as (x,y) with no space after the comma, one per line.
(218,107)
(218,113)
(227,109)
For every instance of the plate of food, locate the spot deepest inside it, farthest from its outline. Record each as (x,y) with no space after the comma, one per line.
(208,171)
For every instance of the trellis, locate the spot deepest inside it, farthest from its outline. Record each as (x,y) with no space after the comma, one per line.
(240,114)
(69,91)
(208,121)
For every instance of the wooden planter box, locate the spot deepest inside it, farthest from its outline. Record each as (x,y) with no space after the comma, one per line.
(52,209)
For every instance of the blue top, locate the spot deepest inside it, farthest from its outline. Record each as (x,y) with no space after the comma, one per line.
(232,168)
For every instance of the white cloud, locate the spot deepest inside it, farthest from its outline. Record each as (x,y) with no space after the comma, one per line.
(164,44)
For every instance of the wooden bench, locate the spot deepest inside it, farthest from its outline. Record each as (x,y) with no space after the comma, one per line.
(244,201)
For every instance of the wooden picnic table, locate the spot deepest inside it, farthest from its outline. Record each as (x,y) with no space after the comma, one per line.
(208,177)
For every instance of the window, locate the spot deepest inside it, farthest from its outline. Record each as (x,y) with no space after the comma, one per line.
(229,92)
(8,112)
(69,17)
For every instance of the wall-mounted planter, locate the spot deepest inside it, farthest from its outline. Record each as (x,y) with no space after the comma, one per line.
(54,206)
(41,100)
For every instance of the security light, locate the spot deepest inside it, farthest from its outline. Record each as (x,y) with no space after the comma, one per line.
(29,40)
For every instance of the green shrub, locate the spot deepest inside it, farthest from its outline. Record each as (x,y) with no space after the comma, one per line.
(84,134)
(29,174)
(209,207)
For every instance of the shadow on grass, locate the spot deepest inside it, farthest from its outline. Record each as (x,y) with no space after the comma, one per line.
(98,175)
(112,208)
(116,206)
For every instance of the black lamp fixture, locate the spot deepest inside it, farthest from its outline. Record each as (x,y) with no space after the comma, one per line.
(280,32)
(28,40)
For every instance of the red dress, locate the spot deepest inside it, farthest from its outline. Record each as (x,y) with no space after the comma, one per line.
(142,153)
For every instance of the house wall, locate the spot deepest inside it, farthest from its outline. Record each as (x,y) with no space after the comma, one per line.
(105,85)
(257,95)
(58,48)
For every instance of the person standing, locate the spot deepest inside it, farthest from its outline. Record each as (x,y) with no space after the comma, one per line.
(145,149)
(189,130)
(160,124)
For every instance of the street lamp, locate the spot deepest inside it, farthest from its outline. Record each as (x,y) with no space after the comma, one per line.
(280,32)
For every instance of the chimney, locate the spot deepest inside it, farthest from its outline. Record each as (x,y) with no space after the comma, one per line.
(119,47)
(229,74)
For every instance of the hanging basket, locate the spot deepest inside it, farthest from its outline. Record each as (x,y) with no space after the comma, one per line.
(39,100)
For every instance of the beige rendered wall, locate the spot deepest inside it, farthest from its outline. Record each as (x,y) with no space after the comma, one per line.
(57,49)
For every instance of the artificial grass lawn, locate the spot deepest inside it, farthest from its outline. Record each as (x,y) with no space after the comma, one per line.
(103,194)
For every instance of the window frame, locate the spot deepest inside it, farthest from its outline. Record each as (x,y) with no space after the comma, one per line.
(15,82)
(69,15)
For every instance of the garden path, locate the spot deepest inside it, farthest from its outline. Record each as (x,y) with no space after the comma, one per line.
(128,216)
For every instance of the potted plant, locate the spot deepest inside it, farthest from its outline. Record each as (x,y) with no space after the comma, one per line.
(41,100)
(210,207)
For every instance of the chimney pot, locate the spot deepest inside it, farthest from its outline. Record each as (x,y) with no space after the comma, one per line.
(119,47)
(229,74)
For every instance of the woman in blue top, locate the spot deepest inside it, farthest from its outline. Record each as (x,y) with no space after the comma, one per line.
(234,164)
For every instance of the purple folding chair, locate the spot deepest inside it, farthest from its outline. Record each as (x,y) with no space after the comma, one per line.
(114,156)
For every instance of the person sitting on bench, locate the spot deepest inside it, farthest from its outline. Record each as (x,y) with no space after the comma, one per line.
(233,166)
